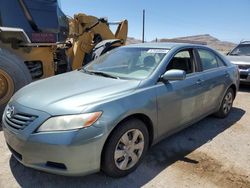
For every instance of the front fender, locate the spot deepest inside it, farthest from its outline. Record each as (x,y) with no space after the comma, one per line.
(114,111)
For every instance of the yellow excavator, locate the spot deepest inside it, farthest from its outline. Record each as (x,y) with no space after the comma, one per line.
(38,41)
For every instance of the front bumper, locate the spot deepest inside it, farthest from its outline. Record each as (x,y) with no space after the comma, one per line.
(71,153)
(244,75)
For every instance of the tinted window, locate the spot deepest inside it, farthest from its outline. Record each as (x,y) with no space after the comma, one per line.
(208,59)
(183,61)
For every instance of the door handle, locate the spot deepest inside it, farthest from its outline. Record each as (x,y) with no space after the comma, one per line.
(199,82)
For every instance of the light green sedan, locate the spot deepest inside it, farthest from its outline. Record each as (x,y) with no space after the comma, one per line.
(108,114)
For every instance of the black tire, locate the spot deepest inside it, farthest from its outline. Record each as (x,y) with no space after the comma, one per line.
(222,113)
(15,73)
(108,165)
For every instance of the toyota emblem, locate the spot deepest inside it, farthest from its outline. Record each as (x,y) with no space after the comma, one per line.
(10,112)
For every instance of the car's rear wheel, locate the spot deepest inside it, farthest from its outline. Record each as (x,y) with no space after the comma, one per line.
(125,148)
(226,104)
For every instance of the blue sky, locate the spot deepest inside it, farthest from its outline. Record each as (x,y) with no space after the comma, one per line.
(225,19)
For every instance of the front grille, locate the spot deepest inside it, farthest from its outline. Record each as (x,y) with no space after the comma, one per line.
(60,166)
(244,67)
(243,76)
(19,121)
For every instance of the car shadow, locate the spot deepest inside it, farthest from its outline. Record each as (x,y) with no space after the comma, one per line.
(159,157)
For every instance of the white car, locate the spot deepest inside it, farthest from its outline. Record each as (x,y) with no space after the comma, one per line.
(240,56)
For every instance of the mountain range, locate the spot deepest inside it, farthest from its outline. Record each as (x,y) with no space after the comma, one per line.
(205,39)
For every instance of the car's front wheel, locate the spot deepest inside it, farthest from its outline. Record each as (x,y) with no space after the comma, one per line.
(226,104)
(125,148)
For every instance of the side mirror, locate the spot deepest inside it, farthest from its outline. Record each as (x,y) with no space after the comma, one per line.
(174,74)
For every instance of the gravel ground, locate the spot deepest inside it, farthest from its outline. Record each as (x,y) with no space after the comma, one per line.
(211,153)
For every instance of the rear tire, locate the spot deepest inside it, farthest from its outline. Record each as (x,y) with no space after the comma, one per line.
(13,76)
(125,148)
(226,104)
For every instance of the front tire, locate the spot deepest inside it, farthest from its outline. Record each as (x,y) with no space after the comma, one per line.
(125,148)
(226,104)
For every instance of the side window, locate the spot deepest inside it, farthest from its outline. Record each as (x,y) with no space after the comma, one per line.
(208,59)
(183,60)
(220,62)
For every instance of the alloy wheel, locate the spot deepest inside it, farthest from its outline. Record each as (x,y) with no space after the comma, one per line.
(129,149)
(228,101)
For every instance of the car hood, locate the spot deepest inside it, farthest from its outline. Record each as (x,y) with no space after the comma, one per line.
(239,60)
(71,92)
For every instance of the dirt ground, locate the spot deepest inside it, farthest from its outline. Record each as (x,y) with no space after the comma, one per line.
(211,153)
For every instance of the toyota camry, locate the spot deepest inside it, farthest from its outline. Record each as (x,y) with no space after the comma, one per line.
(106,115)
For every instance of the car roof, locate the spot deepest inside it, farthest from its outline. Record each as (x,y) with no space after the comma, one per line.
(245,42)
(163,45)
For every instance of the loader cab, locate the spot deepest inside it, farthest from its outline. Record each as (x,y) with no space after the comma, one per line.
(42,20)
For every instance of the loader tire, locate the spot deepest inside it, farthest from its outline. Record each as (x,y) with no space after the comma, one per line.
(13,76)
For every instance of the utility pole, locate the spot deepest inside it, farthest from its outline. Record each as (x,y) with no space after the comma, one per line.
(143,26)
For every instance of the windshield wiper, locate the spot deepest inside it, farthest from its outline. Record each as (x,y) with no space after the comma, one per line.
(101,74)
(104,74)
(240,54)
(234,54)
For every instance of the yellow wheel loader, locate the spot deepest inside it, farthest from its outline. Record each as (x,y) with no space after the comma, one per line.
(38,41)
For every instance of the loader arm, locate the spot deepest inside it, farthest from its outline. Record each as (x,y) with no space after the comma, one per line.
(87,32)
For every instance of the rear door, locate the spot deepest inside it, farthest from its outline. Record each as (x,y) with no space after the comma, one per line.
(179,101)
(215,75)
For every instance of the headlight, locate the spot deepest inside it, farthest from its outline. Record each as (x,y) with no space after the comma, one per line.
(70,122)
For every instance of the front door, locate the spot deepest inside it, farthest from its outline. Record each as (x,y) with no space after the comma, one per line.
(179,102)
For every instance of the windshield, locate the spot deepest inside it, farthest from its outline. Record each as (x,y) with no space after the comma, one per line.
(127,63)
(241,50)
